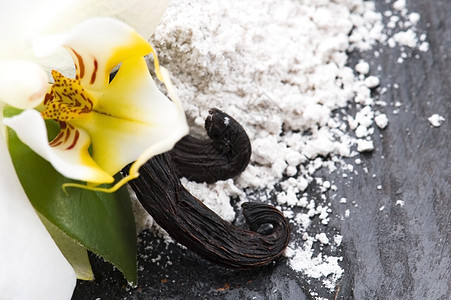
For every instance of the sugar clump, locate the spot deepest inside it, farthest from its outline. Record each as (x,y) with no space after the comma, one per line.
(436,120)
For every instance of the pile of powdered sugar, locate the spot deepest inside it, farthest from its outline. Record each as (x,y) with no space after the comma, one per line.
(280,67)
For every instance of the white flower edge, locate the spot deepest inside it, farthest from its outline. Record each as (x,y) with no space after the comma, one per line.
(32,266)
(57,16)
(30,127)
(22,83)
(169,142)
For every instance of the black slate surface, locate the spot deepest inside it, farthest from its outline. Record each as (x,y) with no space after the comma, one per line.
(400,252)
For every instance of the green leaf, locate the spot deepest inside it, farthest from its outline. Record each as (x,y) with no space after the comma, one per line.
(101,222)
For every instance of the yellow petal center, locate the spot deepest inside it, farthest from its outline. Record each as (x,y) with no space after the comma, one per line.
(67,99)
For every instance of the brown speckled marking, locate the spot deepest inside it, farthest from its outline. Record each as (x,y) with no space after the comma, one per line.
(64,136)
(75,140)
(94,73)
(67,100)
(81,65)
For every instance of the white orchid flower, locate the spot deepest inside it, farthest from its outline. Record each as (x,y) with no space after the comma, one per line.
(32,267)
(127,120)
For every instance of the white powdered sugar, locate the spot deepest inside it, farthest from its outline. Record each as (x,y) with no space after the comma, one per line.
(362,67)
(302,259)
(436,120)
(280,68)
(381,121)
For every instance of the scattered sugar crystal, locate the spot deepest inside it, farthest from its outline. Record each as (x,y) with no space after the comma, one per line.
(322,238)
(289,197)
(399,4)
(156,259)
(363,95)
(302,202)
(302,183)
(391,43)
(365,116)
(380,102)
(303,220)
(291,171)
(381,121)
(414,17)
(436,120)
(311,213)
(278,167)
(364,145)
(362,67)
(372,82)
(361,131)
(338,239)
(393,21)
(323,213)
(406,38)
(326,267)
(353,123)
(424,47)
(319,180)
(293,158)
(347,213)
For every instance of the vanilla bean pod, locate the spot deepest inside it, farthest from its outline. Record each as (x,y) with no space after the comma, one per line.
(225,155)
(191,223)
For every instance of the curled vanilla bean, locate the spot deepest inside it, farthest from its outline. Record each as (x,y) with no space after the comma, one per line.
(225,155)
(191,223)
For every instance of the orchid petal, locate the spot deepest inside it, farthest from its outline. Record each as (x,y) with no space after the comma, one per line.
(132,117)
(57,16)
(23,84)
(169,142)
(143,16)
(70,157)
(97,46)
(29,256)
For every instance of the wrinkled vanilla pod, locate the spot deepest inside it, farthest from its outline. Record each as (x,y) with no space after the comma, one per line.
(191,223)
(225,155)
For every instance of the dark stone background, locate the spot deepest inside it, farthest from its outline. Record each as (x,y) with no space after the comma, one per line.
(400,252)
